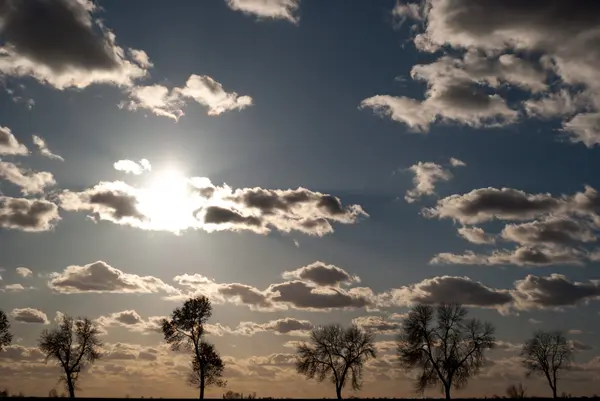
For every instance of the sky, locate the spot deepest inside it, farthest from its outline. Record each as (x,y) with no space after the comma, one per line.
(300,163)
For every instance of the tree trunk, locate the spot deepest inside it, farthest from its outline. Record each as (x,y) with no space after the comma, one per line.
(554,391)
(338,392)
(447,390)
(202,383)
(70,387)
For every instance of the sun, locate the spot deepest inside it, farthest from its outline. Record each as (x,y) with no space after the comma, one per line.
(167,201)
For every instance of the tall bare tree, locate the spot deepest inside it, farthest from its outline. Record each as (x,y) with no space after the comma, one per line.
(185,329)
(446,348)
(5,334)
(74,344)
(336,353)
(547,353)
(212,374)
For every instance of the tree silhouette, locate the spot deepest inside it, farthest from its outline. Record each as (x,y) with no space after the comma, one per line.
(186,329)
(212,373)
(336,353)
(446,348)
(5,335)
(74,345)
(547,353)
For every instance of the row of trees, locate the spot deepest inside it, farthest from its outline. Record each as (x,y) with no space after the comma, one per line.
(438,342)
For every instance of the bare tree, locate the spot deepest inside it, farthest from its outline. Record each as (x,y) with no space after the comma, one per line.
(547,353)
(516,391)
(443,345)
(74,344)
(336,353)
(186,329)
(5,335)
(213,365)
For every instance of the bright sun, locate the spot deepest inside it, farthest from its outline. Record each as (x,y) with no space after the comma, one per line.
(167,201)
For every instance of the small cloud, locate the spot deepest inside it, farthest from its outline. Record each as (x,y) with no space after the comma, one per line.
(131,167)
(268,9)
(42,147)
(457,163)
(24,272)
(29,315)
(9,145)
(534,321)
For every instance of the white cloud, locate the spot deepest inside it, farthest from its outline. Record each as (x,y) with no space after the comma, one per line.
(24,272)
(210,93)
(476,235)
(268,9)
(131,167)
(427,174)
(9,145)
(30,182)
(42,147)
(457,163)
(156,98)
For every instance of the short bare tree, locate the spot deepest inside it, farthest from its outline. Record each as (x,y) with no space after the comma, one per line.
(185,329)
(516,391)
(212,374)
(74,344)
(447,348)
(547,353)
(336,353)
(5,334)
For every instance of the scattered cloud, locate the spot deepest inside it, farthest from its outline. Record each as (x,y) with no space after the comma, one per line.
(132,321)
(27,214)
(62,45)
(195,203)
(521,256)
(209,93)
(286,326)
(553,292)
(550,231)
(99,277)
(42,147)
(476,235)
(9,145)
(268,9)
(427,174)
(24,272)
(30,182)
(321,274)
(377,324)
(156,98)
(457,163)
(131,167)
(29,315)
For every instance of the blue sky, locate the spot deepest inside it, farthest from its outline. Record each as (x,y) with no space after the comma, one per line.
(352,103)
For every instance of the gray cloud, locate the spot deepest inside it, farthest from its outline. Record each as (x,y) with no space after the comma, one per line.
(377,324)
(550,231)
(59,43)
(9,145)
(132,321)
(285,326)
(268,9)
(42,147)
(27,214)
(521,256)
(301,295)
(19,353)
(30,182)
(485,204)
(99,277)
(447,289)
(553,292)
(321,274)
(29,315)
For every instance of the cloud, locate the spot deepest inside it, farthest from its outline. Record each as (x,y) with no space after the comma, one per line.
(30,182)
(487,40)
(131,167)
(60,44)
(156,98)
(24,272)
(27,214)
(579,346)
(99,277)
(42,147)
(286,326)
(476,235)
(268,9)
(427,174)
(13,288)
(9,145)
(321,274)
(457,163)
(29,315)
(553,292)
(295,294)
(521,256)
(19,353)
(485,204)
(195,203)
(377,324)
(132,321)
(447,289)
(549,231)
(210,93)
